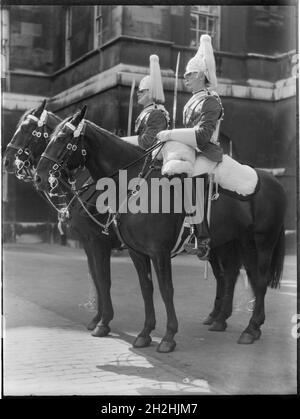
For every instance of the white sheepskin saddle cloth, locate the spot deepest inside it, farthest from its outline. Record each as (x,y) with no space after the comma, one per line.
(229,174)
(177,158)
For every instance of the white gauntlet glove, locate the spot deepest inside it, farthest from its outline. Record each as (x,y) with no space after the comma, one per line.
(164,136)
(183,135)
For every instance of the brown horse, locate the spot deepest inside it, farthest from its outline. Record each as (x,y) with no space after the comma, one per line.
(21,156)
(256,225)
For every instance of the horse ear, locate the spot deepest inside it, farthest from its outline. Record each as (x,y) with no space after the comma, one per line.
(39,110)
(78,117)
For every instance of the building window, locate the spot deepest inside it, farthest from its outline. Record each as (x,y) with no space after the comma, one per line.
(205,20)
(98,26)
(78,40)
(103,25)
(68,35)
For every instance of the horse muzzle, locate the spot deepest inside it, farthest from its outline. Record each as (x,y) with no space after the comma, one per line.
(9,164)
(40,183)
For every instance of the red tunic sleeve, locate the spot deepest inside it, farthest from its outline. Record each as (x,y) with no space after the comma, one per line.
(210,113)
(156,122)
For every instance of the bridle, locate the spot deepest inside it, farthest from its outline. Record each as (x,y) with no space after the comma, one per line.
(24,170)
(61,164)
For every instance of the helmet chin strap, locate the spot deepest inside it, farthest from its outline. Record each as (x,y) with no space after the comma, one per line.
(200,82)
(145,100)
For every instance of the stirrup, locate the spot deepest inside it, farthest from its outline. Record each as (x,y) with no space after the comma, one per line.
(199,248)
(204,250)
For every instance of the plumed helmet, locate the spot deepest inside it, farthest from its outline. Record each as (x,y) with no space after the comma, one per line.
(154,81)
(204,61)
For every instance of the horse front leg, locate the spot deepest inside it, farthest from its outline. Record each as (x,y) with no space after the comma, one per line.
(143,267)
(92,269)
(162,266)
(101,257)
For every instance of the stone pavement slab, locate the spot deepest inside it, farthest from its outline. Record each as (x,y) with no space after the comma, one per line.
(60,358)
(46,289)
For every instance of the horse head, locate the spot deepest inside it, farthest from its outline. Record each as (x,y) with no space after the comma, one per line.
(29,141)
(63,154)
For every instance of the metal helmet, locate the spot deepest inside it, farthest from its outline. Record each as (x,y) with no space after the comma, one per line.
(204,61)
(153,82)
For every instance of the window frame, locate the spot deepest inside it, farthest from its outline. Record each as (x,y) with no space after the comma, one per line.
(98,35)
(68,35)
(208,13)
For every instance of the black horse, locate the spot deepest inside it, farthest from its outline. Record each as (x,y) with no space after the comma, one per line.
(21,156)
(257,225)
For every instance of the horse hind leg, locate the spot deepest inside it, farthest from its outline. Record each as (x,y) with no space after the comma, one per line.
(162,266)
(143,267)
(259,272)
(230,259)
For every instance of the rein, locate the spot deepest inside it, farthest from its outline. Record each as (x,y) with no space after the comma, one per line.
(145,155)
(55,172)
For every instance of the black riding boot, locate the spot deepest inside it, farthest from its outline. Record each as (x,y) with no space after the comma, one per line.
(200,238)
(199,241)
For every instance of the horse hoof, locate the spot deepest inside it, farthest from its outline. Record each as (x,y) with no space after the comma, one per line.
(209,320)
(248,338)
(92,324)
(142,342)
(100,331)
(218,326)
(165,346)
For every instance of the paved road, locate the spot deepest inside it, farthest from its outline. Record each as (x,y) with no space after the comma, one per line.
(48,351)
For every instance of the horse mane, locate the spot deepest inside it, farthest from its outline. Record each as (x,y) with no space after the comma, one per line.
(52,119)
(54,115)
(115,137)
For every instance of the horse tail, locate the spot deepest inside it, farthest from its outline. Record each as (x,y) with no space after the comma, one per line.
(277,261)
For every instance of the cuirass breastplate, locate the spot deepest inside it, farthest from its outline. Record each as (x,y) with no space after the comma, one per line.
(142,119)
(192,110)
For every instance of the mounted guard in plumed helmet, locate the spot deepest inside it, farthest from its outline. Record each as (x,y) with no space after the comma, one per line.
(154,117)
(195,149)
(202,114)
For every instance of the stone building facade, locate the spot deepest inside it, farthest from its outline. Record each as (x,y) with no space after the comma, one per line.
(75,55)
